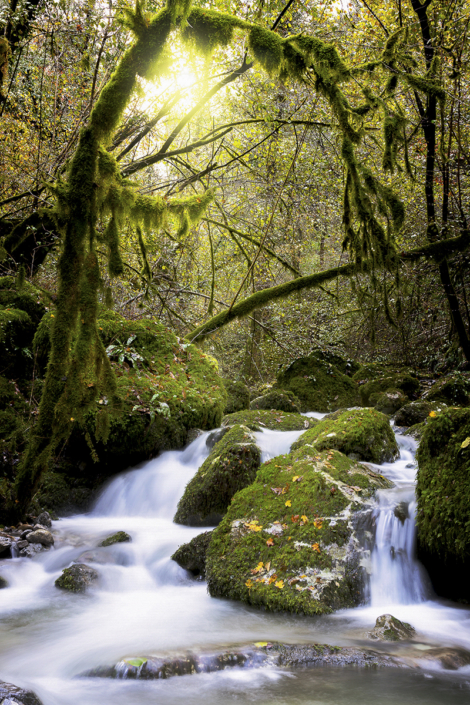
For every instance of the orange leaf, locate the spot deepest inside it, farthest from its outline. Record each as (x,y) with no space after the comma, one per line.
(270,542)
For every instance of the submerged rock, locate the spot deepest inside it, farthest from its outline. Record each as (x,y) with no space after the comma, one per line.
(77,578)
(192,556)
(363,434)
(389,628)
(118,537)
(230,466)
(13,695)
(294,539)
(257,420)
(282,400)
(319,384)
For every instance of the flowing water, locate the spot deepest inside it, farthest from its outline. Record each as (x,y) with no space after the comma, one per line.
(146,605)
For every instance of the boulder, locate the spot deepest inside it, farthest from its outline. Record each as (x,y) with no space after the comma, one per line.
(45,520)
(282,400)
(389,628)
(118,537)
(363,434)
(404,382)
(450,659)
(3,583)
(294,540)
(370,370)
(42,536)
(414,412)
(389,402)
(192,556)
(443,507)
(272,419)
(230,466)
(453,390)
(77,578)
(346,366)
(6,543)
(13,695)
(238,396)
(319,384)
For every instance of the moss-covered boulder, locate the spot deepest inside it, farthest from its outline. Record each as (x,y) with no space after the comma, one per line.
(294,539)
(345,365)
(231,465)
(192,556)
(453,390)
(413,413)
(389,402)
(282,400)
(272,419)
(404,382)
(319,384)
(363,434)
(77,578)
(238,396)
(368,371)
(118,537)
(389,628)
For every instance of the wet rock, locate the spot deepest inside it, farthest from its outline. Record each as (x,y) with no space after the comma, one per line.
(362,434)
(238,396)
(22,544)
(318,383)
(389,628)
(389,402)
(192,556)
(257,420)
(305,655)
(3,583)
(77,578)
(216,436)
(279,399)
(18,696)
(402,512)
(42,536)
(293,540)
(413,413)
(45,519)
(231,465)
(450,659)
(31,550)
(5,546)
(118,537)
(193,434)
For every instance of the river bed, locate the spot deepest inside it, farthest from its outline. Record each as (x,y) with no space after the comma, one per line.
(145,605)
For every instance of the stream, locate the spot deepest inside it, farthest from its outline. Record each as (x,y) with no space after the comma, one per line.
(145,604)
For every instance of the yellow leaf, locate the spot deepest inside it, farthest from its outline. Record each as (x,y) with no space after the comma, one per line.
(270,542)
(260,644)
(268,565)
(304,518)
(288,503)
(316,547)
(279,584)
(466,442)
(72,419)
(295,478)
(318,523)
(249,583)
(432,414)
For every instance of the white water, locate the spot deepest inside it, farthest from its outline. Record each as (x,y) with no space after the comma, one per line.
(146,605)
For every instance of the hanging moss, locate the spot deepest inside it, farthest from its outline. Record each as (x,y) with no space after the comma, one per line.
(208,30)
(267,48)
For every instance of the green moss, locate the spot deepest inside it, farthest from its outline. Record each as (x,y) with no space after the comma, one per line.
(404,382)
(443,487)
(454,389)
(368,371)
(118,537)
(207,30)
(415,412)
(267,48)
(361,433)
(287,528)
(257,420)
(282,400)
(231,465)
(238,396)
(192,556)
(388,402)
(318,384)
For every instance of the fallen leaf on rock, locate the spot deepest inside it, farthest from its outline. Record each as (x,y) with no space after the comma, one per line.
(304,518)
(267,565)
(295,478)
(260,644)
(270,542)
(279,584)
(249,583)
(288,503)
(295,518)
(318,523)
(316,547)
(432,414)
(465,443)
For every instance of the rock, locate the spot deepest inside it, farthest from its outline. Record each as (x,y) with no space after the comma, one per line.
(216,436)
(118,537)
(443,509)
(45,519)
(193,434)
(413,413)
(3,583)
(308,655)
(319,384)
(230,466)
(389,402)
(294,540)
(22,544)
(402,511)
(5,546)
(41,536)
(398,381)
(449,658)
(282,400)
(238,396)
(192,556)
(454,390)
(275,420)
(76,578)
(31,549)
(389,628)
(370,370)
(10,693)
(363,434)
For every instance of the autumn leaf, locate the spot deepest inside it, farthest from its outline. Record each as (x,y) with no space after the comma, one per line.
(288,503)
(279,584)
(304,519)
(267,565)
(432,414)
(465,443)
(249,583)
(316,547)
(260,644)
(258,568)
(318,523)
(270,542)
(295,518)
(295,478)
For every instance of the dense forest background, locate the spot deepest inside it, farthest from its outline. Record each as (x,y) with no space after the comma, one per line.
(222,118)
